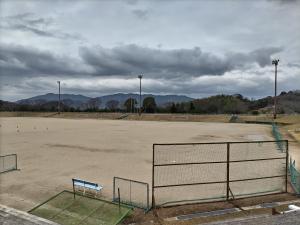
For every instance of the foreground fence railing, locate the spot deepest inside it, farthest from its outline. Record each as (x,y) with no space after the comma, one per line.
(8,163)
(294,173)
(196,172)
(131,192)
(295,176)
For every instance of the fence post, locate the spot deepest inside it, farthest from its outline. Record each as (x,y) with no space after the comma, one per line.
(16,161)
(153,204)
(73,188)
(119,200)
(227,179)
(130,192)
(114,186)
(2,157)
(286,164)
(147,196)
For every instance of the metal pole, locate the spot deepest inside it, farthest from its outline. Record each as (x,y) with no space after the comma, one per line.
(119,199)
(275,98)
(16,161)
(58,97)
(140,77)
(286,164)
(275,62)
(227,171)
(114,186)
(153,204)
(140,96)
(147,196)
(73,188)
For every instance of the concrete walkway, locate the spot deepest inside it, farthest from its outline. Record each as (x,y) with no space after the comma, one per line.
(292,218)
(10,216)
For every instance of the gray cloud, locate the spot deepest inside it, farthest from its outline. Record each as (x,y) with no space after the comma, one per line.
(29,22)
(128,59)
(21,61)
(285,1)
(131,2)
(140,13)
(234,54)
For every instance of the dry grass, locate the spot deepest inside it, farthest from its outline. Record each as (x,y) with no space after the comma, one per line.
(284,119)
(294,131)
(102,115)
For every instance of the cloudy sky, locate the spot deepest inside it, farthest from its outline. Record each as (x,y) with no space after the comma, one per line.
(196,48)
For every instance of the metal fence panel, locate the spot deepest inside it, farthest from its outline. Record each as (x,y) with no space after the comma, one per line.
(132,192)
(197,172)
(8,163)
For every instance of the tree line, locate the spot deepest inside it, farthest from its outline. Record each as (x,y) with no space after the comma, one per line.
(219,104)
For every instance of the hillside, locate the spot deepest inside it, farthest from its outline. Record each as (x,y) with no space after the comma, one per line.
(84,102)
(288,102)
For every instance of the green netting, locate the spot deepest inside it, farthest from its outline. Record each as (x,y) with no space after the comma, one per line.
(277,136)
(295,175)
(66,210)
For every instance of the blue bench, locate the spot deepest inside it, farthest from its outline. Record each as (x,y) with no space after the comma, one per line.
(86,185)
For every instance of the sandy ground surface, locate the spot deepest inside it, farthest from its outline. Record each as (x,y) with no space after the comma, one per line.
(52,151)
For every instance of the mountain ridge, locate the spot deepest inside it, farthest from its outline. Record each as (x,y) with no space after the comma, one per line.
(288,102)
(82,102)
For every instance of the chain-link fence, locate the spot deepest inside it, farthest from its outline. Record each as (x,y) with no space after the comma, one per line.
(295,176)
(197,172)
(8,162)
(294,173)
(131,192)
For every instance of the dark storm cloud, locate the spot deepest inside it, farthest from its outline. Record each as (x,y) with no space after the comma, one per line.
(260,56)
(28,22)
(128,59)
(20,61)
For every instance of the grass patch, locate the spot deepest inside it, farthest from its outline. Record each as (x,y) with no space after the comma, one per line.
(66,210)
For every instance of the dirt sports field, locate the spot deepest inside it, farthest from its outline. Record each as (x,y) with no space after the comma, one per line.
(52,151)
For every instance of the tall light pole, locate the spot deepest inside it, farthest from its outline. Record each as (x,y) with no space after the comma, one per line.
(275,62)
(140,77)
(58,97)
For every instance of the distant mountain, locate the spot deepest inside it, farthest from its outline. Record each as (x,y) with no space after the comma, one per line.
(84,102)
(288,102)
(67,99)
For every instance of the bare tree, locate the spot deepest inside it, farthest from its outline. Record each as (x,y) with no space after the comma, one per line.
(112,105)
